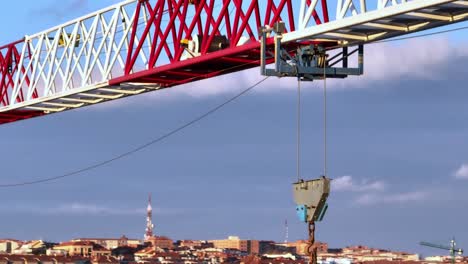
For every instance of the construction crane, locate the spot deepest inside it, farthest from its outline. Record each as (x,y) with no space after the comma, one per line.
(139,46)
(453,250)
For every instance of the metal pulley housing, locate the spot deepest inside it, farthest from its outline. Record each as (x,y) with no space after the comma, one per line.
(312,56)
(309,62)
(311,198)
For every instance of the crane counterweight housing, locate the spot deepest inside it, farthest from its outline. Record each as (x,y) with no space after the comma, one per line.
(311,198)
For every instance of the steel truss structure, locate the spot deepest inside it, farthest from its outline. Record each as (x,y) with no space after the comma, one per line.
(138,46)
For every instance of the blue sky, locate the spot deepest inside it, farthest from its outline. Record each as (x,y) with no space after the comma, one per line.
(397,142)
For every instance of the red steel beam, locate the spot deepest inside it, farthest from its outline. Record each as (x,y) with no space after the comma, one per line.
(236,19)
(245,17)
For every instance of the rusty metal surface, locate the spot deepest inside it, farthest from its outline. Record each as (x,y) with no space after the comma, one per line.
(312,248)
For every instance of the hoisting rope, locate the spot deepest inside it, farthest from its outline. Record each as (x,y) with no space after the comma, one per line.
(298,147)
(325,152)
(312,248)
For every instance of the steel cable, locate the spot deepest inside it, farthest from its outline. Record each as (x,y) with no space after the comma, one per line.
(139,148)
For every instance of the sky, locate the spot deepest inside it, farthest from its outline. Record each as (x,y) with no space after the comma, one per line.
(398,153)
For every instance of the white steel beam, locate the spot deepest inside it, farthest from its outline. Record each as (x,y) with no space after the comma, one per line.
(369,17)
(431,16)
(63,104)
(121,91)
(80,100)
(102,96)
(387,26)
(46,109)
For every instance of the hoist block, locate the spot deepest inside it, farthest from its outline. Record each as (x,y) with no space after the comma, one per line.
(311,198)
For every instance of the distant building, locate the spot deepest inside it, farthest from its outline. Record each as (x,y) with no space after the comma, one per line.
(234,242)
(194,243)
(169,257)
(435,258)
(56,252)
(273,248)
(42,259)
(271,259)
(366,254)
(76,248)
(36,247)
(147,253)
(111,243)
(265,247)
(161,242)
(104,260)
(335,261)
(100,251)
(357,249)
(302,245)
(447,259)
(126,253)
(8,245)
(80,248)
(190,243)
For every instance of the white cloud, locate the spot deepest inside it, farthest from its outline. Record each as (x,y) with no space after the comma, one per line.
(409,59)
(346,183)
(462,172)
(89,209)
(386,61)
(412,59)
(92,209)
(395,198)
(74,209)
(375,192)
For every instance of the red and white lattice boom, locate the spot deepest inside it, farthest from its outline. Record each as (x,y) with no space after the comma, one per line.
(138,46)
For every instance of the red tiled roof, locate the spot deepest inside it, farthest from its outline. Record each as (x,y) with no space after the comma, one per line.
(390,261)
(159,238)
(97,247)
(10,240)
(146,250)
(103,239)
(105,259)
(42,258)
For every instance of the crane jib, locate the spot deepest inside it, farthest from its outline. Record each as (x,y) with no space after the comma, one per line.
(135,47)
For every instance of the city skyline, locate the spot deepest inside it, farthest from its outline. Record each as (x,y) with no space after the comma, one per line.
(148,234)
(164,250)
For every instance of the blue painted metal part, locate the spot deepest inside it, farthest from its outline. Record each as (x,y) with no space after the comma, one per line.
(301,211)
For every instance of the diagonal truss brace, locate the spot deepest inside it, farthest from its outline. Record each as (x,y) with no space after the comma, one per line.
(94,58)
